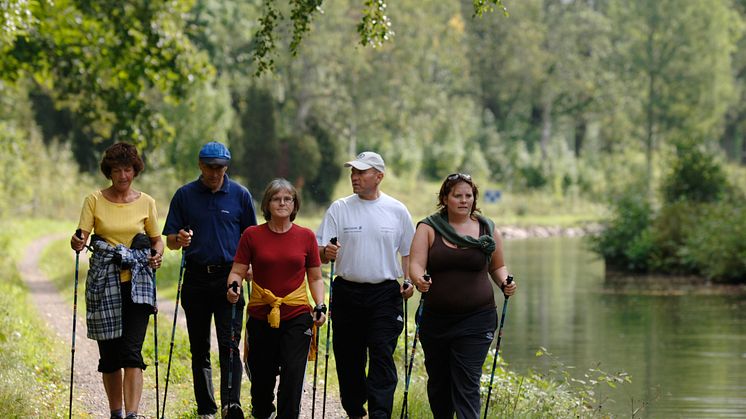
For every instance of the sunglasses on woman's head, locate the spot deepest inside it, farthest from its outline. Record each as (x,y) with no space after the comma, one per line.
(454,176)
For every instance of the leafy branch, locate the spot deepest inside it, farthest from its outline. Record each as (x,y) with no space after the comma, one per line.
(374,28)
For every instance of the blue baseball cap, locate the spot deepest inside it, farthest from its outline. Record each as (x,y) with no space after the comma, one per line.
(215,153)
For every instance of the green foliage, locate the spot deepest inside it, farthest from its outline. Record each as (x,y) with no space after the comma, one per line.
(676,65)
(35,179)
(204,115)
(698,229)
(107,63)
(626,241)
(374,28)
(715,245)
(694,176)
(668,235)
(321,187)
(256,146)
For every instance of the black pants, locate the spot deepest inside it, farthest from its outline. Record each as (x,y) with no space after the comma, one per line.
(126,350)
(366,322)
(455,348)
(204,295)
(282,351)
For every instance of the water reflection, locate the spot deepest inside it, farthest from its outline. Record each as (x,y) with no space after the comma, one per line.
(686,352)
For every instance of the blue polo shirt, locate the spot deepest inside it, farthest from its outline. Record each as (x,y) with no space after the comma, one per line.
(217,219)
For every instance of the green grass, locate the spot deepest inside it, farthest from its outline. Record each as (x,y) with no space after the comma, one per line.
(33,377)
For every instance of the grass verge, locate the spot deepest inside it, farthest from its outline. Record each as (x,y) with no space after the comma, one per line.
(33,374)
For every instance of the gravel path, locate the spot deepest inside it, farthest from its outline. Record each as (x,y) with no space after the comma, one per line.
(89,398)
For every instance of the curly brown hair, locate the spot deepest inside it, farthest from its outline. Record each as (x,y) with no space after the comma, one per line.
(121,155)
(448,184)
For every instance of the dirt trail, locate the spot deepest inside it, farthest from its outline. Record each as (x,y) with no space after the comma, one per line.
(89,398)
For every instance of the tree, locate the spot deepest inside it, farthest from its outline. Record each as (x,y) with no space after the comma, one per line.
(675,60)
(107,63)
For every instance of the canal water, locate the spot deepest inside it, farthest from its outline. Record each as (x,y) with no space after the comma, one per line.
(685,350)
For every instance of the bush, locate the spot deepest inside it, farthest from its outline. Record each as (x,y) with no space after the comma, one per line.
(626,242)
(669,233)
(695,176)
(716,245)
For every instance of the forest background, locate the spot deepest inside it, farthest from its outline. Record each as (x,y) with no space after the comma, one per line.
(580,103)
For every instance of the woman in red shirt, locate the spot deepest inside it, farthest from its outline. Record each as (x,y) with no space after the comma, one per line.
(279,324)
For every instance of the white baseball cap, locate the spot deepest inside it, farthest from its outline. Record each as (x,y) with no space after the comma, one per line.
(366,160)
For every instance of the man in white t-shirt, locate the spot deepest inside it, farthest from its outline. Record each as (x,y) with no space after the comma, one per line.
(366,309)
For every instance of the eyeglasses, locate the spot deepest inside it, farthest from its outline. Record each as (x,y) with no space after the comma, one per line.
(283,199)
(454,176)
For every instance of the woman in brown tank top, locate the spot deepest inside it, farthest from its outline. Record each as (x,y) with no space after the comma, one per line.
(461,251)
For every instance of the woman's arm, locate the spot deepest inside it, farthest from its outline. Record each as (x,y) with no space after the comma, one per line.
(423,239)
(316,285)
(497,269)
(238,273)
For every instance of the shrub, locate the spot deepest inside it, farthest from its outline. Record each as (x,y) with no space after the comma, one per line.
(694,176)
(669,233)
(716,245)
(626,242)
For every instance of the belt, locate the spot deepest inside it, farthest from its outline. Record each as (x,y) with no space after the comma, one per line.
(208,269)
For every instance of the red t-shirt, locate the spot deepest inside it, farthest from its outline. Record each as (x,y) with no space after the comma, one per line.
(279,262)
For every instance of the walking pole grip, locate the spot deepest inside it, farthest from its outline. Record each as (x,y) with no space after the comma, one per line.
(78,234)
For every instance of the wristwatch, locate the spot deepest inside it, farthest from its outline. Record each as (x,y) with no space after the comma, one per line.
(320,308)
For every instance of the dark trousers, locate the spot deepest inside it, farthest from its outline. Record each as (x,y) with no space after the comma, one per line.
(126,350)
(455,348)
(204,296)
(282,351)
(366,322)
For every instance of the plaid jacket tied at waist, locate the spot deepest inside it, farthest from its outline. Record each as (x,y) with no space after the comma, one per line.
(102,295)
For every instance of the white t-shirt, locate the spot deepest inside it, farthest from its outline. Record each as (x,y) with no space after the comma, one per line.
(370,234)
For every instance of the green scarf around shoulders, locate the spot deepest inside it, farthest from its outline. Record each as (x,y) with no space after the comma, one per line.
(485,243)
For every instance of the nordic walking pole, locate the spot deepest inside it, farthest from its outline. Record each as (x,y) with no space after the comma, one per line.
(155,338)
(497,348)
(78,234)
(405,286)
(417,322)
(328,329)
(317,312)
(234,285)
(173,328)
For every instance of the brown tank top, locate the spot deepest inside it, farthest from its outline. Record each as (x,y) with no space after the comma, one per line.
(461,283)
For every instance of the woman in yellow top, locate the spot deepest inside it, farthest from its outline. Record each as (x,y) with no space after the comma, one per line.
(120,293)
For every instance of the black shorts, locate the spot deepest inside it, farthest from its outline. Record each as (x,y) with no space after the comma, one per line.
(126,350)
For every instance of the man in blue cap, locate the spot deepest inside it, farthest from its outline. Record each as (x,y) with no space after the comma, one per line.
(205,219)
